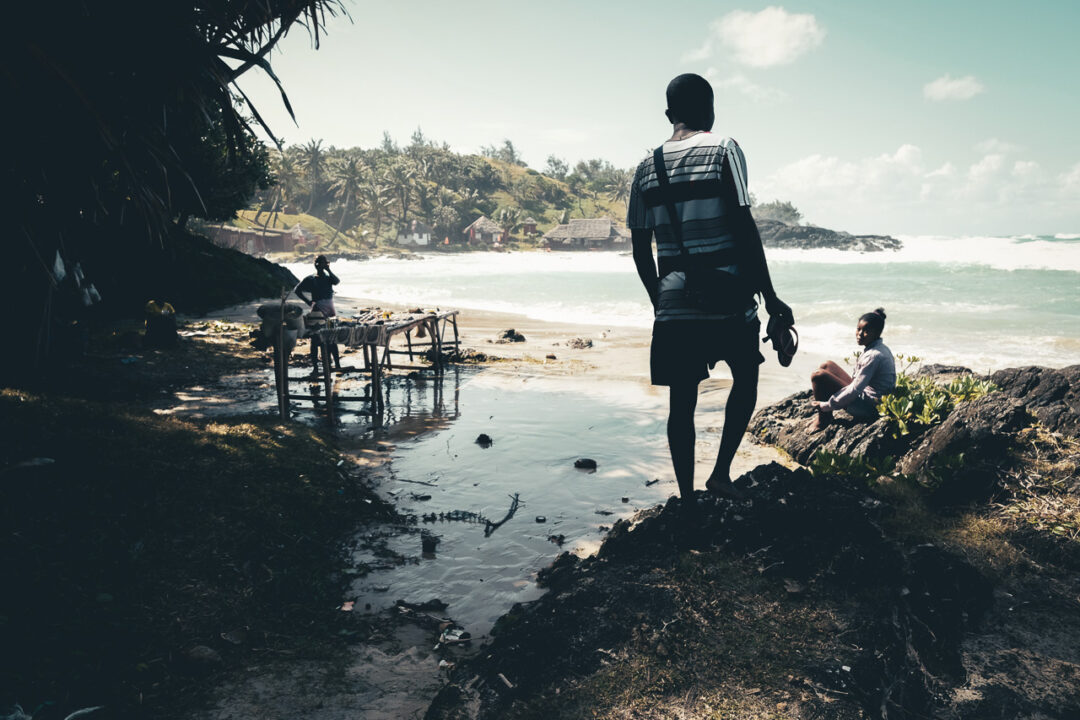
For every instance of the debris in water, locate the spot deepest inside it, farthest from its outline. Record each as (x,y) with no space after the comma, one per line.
(585,464)
(428,542)
(483,440)
(491,527)
(541,519)
(507,682)
(649,483)
(557,539)
(347,606)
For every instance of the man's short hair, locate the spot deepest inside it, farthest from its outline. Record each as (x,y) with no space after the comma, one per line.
(690,98)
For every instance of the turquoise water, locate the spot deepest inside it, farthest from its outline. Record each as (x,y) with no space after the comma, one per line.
(985,302)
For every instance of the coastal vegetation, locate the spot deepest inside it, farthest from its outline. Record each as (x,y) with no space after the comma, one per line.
(127,128)
(362,197)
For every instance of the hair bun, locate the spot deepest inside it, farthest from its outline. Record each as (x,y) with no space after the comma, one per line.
(880,311)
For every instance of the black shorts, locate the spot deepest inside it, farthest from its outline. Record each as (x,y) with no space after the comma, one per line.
(683,351)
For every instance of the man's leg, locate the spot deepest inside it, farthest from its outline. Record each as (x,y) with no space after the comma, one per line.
(740,407)
(680,432)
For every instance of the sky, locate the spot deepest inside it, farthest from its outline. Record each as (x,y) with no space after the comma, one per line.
(920,117)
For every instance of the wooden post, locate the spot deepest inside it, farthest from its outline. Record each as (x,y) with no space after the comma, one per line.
(408,339)
(282,370)
(438,346)
(327,380)
(457,343)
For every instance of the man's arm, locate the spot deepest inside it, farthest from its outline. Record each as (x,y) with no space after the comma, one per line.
(752,251)
(300,289)
(646,265)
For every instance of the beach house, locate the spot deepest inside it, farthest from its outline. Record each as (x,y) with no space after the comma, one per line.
(415,233)
(484,230)
(587,234)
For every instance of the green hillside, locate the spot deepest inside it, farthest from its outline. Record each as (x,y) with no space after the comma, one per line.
(370,193)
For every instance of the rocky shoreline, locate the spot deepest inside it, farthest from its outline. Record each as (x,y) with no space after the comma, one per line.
(808,237)
(931,591)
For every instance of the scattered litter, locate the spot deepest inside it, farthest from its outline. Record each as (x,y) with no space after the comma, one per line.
(585,464)
(453,635)
(541,519)
(649,483)
(483,440)
(347,606)
(793,587)
(506,682)
(446,665)
(626,499)
(579,343)
(551,356)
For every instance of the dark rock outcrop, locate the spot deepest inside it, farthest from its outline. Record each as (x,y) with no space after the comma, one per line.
(962,456)
(1051,395)
(787,425)
(801,530)
(779,234)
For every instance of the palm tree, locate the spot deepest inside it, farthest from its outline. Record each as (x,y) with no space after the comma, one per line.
(313,160)
(375,199)
(509,218)
(287,181)
(619,186)
(400,177)
(347,175)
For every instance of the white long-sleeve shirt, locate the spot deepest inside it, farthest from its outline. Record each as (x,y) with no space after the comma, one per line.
(875,375)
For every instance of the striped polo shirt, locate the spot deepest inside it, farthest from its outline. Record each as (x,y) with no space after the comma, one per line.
(708,182)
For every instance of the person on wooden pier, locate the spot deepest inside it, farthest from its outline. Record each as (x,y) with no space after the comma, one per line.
(318,291)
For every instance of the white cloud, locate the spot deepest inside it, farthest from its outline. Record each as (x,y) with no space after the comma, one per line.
(947,87)
(740,83)
(763,39)
(993,145)
(900,192)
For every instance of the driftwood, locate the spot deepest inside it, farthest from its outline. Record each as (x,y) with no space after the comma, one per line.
(493,526)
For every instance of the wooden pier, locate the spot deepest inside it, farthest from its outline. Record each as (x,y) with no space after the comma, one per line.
(375,331)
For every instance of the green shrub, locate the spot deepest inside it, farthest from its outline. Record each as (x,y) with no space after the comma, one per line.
(853,467)
(918,403)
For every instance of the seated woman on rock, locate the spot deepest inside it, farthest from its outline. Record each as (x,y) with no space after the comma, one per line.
(875,375)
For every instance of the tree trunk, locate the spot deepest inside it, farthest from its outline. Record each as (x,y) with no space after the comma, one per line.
(340,221)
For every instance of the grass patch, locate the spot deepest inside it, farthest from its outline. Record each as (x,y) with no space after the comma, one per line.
(284,221)
(737,647)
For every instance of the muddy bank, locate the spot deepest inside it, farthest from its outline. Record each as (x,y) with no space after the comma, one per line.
(834,594)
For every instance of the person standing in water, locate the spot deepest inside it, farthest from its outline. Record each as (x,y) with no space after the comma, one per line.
(875,376)
(698,208)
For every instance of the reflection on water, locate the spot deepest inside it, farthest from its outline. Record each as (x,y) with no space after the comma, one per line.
(539,427)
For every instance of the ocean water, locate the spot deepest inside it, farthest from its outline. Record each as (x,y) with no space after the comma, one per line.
(984,302)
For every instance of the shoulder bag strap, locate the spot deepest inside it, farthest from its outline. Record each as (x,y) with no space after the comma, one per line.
(665,192)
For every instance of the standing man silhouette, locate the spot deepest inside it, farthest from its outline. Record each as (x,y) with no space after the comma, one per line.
(698,209)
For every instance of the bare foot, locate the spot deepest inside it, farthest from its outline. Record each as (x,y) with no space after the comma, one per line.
(821,421)
(721,485)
